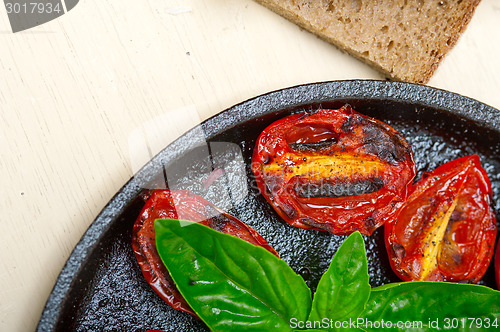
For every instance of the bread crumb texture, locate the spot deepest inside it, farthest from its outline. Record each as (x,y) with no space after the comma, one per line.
(404,39)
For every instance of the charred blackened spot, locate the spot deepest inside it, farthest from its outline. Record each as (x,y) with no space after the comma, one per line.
(455,216)
(311,137)
(353,121)
(289,210)
(305,147)
(370,223)
(347,109)
(399,251)
(218,222)
(388,155)
(388,146)
(341,188)
(313,223)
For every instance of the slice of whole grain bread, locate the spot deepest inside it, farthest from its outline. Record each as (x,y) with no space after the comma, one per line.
(404,39)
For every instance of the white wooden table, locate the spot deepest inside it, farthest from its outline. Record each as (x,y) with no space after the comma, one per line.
(76,92)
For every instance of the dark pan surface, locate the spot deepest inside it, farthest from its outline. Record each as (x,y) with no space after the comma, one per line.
(101,287)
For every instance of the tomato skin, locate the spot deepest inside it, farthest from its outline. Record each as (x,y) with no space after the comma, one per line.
(180,204)
(446,231)
(333,170)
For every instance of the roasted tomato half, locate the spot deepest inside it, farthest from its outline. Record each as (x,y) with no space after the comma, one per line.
(333,170)
(446,230)
(187,206)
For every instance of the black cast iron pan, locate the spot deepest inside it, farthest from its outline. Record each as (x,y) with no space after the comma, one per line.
(101,287)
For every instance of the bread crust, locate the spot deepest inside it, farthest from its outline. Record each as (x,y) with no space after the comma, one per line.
(404,39)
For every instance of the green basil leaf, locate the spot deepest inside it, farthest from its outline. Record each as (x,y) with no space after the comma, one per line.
(344,289)
(231,284)
(425,305)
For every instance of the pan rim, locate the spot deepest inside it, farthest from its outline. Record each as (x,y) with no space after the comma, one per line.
(426,96)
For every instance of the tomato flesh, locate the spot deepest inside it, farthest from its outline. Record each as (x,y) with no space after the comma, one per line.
(446,230)
(180,204)
(333,170)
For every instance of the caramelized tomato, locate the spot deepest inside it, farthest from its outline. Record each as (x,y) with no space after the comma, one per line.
(446,230)
(333,170)
(180,204)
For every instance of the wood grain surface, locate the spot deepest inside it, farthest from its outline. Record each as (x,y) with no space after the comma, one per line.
(88,98)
